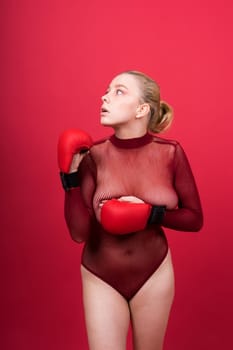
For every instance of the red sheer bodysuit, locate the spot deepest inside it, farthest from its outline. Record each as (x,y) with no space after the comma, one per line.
(153,169)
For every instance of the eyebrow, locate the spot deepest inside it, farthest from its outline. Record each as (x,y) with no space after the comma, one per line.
(119,85)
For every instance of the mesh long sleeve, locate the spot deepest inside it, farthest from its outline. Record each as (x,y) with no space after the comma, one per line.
(153,169)
(188,216)
(78,209)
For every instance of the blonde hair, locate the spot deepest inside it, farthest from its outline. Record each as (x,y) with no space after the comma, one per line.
(161,113)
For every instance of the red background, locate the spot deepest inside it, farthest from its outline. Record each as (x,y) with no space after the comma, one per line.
(57,58)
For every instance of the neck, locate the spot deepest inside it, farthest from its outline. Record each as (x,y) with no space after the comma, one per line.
(131,142)
(123,133)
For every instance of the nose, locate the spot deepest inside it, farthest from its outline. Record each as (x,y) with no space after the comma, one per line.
(105,98)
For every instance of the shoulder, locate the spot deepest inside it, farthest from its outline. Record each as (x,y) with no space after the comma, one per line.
(101,141)
(166,142)
(99,145)
(170,146)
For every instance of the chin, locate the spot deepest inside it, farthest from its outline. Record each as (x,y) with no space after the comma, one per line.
(104,122)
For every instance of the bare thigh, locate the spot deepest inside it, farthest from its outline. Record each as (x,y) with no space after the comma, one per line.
(106,313)
(151,306)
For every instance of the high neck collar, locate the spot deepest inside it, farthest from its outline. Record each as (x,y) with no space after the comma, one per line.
(131,143)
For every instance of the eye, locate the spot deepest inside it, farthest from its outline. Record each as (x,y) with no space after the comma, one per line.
(119,92)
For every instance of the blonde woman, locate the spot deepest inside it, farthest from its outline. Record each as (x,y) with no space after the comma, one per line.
(119,197)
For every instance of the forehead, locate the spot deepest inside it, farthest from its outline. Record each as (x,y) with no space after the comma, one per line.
(128,80)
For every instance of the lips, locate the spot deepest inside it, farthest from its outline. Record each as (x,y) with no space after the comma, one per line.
(104,110)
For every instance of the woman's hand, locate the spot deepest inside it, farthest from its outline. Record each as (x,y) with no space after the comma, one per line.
(131,199)
(76,160)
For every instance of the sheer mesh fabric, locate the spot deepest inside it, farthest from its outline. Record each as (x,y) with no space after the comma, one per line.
(151,168)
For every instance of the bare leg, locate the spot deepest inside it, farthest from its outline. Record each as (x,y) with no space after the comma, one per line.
(150,308)
(106,312)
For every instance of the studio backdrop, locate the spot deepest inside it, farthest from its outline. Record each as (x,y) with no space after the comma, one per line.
(57,59)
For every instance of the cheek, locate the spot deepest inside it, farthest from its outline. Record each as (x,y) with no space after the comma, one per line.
(128,108)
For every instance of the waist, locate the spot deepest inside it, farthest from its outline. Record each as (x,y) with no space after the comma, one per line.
(101,242)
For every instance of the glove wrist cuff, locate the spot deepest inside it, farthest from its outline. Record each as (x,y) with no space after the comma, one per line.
(69,180)
(157,214)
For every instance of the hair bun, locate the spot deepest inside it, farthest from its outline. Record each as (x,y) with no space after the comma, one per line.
(165,117)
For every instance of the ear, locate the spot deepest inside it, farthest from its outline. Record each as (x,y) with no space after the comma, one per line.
(142,110)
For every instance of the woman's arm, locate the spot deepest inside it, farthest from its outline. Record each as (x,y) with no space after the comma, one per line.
(188,216)
(79,214)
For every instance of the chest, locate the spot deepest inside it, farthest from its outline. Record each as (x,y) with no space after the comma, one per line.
(145,173)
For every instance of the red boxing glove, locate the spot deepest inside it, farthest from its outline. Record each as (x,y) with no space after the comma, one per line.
(70,142)
(120,217)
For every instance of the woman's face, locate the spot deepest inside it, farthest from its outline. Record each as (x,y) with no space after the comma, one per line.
(121,101)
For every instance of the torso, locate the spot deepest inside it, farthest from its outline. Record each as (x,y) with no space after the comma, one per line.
(147,173)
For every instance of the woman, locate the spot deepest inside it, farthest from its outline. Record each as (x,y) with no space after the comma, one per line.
(118,197)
